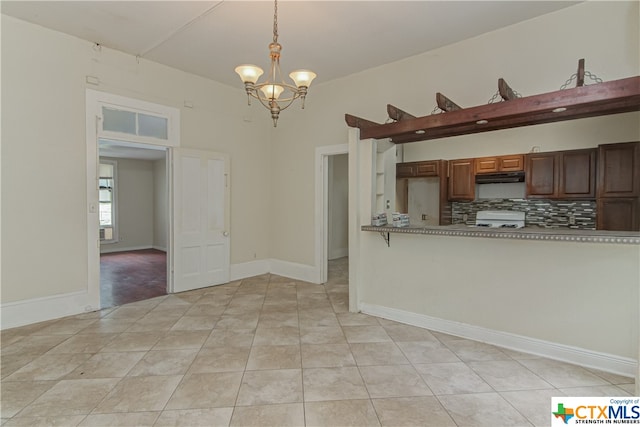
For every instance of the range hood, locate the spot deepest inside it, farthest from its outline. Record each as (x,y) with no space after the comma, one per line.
(500,177)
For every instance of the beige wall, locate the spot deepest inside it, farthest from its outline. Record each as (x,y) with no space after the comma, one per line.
(338,234)
(135,195)
(43,142)
(160,205)
(576,294)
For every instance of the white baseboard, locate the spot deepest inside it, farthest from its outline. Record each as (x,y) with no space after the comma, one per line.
(107,250)
(26,312)
(160,248)
(579,356)
(248,269)
(35,310)
(306,273)
(338,253)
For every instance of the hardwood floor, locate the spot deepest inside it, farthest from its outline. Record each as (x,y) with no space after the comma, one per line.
(131,276)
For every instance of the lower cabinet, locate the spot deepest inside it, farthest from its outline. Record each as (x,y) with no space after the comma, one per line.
(618,214)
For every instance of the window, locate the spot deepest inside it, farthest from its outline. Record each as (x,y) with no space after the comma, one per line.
(135,123)
(107,201)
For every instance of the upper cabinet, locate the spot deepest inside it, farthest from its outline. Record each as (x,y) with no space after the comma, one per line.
(512,163)
(540,175)
(462,180)
(618,203)
(619,174)
(561,174)
(577,174)
(418,169)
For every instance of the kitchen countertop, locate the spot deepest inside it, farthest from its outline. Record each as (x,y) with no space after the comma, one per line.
(526,233)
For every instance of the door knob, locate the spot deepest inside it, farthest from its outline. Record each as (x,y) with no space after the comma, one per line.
(225,233)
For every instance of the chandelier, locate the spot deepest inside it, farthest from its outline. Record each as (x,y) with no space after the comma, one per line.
(275,94)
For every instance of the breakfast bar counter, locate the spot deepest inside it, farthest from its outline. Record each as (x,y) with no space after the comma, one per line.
(525,233)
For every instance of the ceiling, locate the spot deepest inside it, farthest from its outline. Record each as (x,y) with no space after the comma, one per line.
(332,38)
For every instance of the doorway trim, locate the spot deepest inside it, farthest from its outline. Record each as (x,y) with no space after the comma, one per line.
(94,102)
(322,200)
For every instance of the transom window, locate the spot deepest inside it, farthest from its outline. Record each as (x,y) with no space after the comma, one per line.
(135,123)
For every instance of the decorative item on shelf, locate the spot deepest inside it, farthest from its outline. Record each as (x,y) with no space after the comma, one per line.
(269,93)
(379,219)
(400,219)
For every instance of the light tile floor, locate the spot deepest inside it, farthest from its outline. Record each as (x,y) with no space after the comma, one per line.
(270,351)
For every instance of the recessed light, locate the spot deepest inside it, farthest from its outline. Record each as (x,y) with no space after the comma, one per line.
(420,131)
(558,110)
(482,122)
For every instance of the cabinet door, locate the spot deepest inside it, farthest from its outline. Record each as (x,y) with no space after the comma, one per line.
(405,170)
(461,180)
(486,165)
(429,168)
(540,172)
(577,174)
(511,163)
(618,214)
(619,170)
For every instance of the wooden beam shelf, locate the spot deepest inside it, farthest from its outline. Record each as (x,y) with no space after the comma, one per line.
(614,97)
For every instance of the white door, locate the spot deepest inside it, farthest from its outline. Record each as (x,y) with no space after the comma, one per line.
(201,219)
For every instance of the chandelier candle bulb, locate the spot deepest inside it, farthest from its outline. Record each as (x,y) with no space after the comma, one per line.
(302,78)
(272,91)
(249,73)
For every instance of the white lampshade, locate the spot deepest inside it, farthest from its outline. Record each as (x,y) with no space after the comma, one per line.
(249,73)
(302,77)
(272,91)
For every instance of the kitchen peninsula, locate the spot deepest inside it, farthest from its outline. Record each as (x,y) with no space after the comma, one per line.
(567,294)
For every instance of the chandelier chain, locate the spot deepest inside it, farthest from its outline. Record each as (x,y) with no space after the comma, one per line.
(275,22)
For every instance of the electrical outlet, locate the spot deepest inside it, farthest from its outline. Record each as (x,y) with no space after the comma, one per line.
(424,217)
(572,220)
(465,217)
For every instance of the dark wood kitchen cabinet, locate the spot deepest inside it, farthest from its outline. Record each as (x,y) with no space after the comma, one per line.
(562,175)
(418,169)
(540,175)
(510,163)
(462,184)
(618,202)
(577,174)
(618,213)
(619,170)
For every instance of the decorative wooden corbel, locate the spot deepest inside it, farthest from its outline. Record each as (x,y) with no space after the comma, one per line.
(445,104)
(357,122)
(397,114)
(580,81)
(505,91)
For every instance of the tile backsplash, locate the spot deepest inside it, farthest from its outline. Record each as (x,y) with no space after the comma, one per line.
(576,214)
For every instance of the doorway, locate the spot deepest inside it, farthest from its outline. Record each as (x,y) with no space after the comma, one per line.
(332,205)
(134,221)
(337,215)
